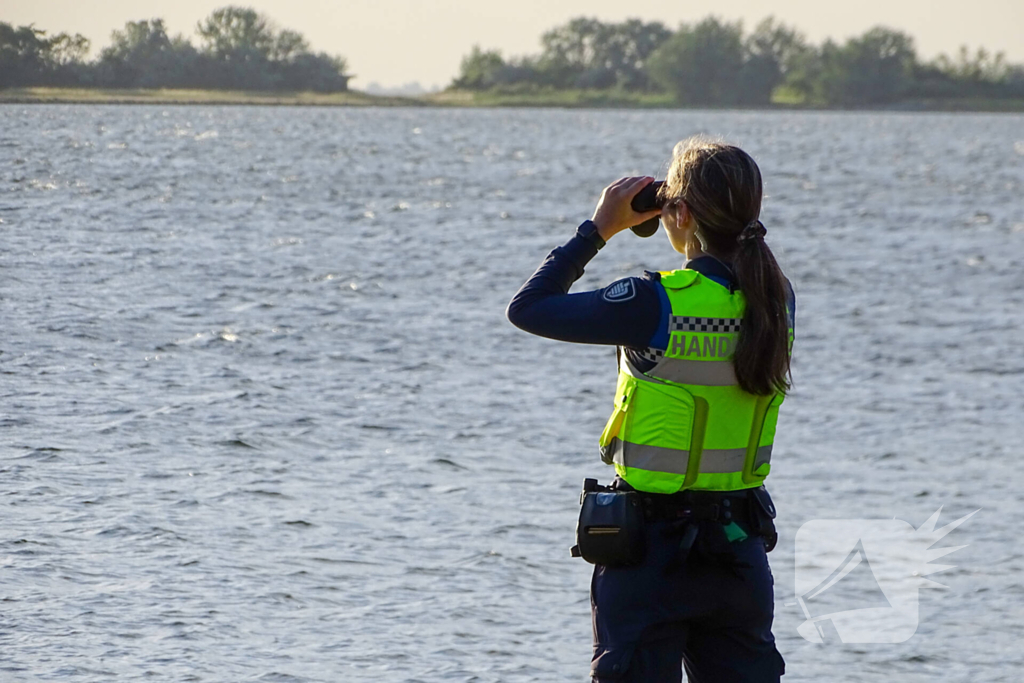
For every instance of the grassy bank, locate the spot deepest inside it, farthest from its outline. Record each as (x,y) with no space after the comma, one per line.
(141,96)
(455,98)
(620,99)
(552,98)
(611,99)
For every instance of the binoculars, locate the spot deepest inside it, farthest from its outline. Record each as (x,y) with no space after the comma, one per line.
(648,199)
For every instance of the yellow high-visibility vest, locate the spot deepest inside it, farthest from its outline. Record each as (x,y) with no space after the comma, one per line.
(686,423)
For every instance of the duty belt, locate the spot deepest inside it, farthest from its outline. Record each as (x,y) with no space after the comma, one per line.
(689,511)
(713,506)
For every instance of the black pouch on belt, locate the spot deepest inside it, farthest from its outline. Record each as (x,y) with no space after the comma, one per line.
(763,517)
(610,531)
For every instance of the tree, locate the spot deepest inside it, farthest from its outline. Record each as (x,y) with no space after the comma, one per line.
(479,69)
(982,66)
(568,51)
(244,50)
(241,50)
(875,68)
(288,46)
(878,67)
(1013,82)
(701,64)
(142,55)
(22,54)
(318,72)
(623,50)
(968,74)
(772,52)
(237,33)
(588,53)
(67,50)
(28,57)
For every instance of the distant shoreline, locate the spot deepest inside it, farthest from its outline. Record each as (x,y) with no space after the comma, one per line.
(172,96)
(573,99)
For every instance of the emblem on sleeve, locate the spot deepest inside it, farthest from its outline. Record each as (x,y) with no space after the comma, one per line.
(622,290)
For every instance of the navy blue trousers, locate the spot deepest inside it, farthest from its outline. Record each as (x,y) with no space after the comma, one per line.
(655,619)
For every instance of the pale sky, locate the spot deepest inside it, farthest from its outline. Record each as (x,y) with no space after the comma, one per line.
(398,41)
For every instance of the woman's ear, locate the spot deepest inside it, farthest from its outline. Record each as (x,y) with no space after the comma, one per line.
(687,230)
(676,213)
(685,221)
(682,214)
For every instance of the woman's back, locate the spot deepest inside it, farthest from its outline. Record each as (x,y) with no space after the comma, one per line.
(703,367)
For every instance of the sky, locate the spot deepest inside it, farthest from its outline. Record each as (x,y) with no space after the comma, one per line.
(394,42)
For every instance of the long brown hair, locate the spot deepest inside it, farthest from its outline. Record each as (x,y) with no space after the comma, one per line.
(721,186)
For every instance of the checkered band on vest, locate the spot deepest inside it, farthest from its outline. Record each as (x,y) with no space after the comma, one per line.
(652,354)
(681,323)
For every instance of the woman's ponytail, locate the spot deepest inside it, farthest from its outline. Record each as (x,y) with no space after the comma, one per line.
(762,353)
(721,185)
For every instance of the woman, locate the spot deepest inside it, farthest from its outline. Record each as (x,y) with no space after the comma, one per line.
(704,365)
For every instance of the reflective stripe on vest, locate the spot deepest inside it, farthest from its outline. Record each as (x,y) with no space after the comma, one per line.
(720,373)
(658,459)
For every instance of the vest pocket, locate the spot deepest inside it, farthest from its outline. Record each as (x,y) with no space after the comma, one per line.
(654,437)
(766,414)
(662,416)
(623,399)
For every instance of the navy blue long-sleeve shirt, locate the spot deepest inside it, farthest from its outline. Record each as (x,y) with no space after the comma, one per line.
(632,312)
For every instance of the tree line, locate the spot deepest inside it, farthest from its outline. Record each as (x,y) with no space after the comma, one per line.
(715,62)
(239,49)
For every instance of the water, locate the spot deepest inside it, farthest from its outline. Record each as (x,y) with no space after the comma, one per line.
(263,418)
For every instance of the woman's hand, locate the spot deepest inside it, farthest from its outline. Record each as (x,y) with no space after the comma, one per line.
(614,213)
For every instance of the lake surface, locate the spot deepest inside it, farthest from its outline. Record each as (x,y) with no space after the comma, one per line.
(263,418)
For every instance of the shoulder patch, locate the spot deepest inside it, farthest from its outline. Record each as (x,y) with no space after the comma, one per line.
(620,291)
